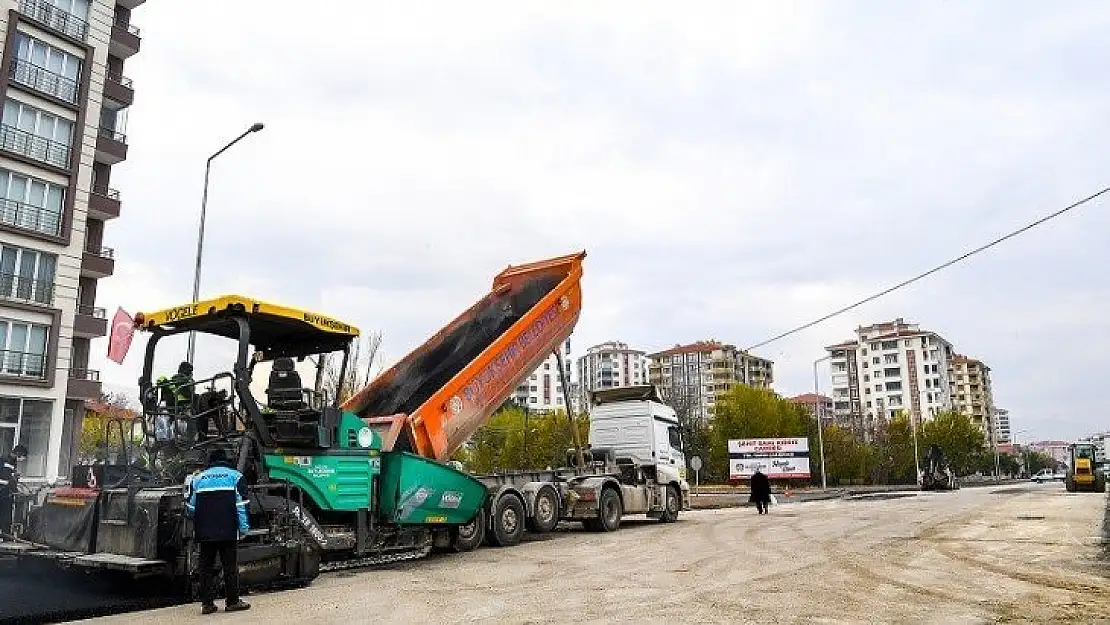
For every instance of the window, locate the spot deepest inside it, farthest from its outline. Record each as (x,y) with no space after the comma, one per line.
(28,421)
(890,359)
(890,344)
(893,386)
(875,360)
(533,400)
(892,372)
(674,438)
(67,16)
(45,68)
(36,134)
(30,203)
(894,400)
(874,347)
(27,275)
(23,348)
(547,366)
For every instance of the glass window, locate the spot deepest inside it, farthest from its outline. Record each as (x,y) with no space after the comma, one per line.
(34,433)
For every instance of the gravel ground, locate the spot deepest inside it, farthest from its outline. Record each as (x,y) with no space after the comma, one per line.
(1018,553)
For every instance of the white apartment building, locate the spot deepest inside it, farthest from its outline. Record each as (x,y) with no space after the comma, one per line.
(704,370)
(542,390)
(1002,426)
(65,102)
(888,368)
(610,365)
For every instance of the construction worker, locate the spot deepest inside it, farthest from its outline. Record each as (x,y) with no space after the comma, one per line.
(9,479)
(178,394)
(217,503)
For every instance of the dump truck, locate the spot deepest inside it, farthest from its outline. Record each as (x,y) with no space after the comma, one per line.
(1081,472)
(935,472)
(368,481)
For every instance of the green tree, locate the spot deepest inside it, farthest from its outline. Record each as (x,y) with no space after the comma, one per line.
(962,441)
(515,438)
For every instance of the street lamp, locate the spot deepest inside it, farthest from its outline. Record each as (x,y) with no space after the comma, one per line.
(200,231)
(818,407)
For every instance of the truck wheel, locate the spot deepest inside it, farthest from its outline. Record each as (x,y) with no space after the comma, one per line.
(468,537)
(1069,485)
(671,505)
(507,521)
(609,510)
(547,511)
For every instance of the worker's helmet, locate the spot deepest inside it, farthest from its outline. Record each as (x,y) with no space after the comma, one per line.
(185,367)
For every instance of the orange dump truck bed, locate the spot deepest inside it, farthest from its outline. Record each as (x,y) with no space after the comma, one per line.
(438,395)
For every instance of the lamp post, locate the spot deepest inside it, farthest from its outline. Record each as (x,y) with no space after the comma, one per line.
(200,230)
(817,410)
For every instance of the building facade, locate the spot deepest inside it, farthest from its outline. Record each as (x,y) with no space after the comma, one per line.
(702,371)
(1099,441)
(62,129)
(611,365)
(971,391)
(815,404)
(889,368)
(542,390)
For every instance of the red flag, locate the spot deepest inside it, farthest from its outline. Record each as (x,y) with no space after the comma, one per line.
(123,329)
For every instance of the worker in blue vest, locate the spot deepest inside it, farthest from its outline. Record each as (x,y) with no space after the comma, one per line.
(217,503)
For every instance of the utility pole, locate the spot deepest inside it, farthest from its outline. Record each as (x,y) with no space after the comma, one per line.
(818,410)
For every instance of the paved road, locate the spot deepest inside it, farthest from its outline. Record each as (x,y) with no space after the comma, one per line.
(977,555)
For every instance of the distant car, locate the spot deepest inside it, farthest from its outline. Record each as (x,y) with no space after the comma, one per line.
(1045,475)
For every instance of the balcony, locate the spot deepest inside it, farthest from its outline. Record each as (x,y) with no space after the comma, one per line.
(26,290)
(35,148)
(44,81)
(98,263)
(22,365)
(84,384)
(104,203)
(125,40)
(90,322)
(27,217)
(119,92)
(129,4)
(111,146)
(52,18)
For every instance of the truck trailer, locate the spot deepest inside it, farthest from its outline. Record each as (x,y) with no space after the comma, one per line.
(368,481)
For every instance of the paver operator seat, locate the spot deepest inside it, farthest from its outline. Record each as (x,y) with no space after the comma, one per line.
(291,418)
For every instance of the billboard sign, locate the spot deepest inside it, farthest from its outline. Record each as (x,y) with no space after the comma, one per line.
(777,458)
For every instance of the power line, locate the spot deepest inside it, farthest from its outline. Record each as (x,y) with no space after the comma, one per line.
(910,281)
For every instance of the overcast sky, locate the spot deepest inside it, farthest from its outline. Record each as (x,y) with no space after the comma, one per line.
(732,171)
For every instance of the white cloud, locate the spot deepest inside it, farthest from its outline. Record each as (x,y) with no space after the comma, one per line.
(732,169)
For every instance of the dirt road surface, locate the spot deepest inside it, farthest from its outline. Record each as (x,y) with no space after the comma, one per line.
(982,555)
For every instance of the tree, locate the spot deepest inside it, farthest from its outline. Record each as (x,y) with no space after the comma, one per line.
(515,438)
(362,367)
(92,440)
(961,440)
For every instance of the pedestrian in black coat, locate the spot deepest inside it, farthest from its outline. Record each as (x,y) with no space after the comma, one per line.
(761,491)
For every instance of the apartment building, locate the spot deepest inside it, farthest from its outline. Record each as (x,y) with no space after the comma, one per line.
(610,365)
(62,129)
(971,391)
(890,367)
(703,370)
(815,404)
(542,390)
(1002,426)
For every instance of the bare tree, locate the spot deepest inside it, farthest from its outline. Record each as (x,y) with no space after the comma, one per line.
(363,366)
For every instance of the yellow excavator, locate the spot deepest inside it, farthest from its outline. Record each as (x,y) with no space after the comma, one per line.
(1081,475)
